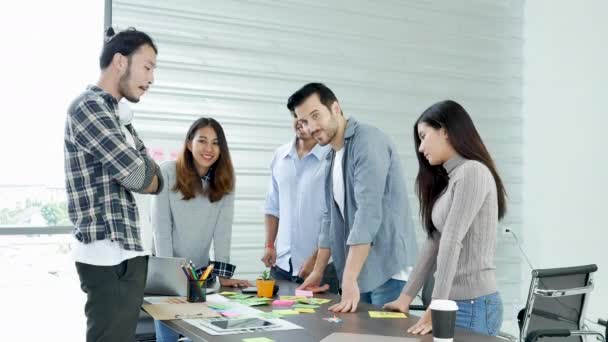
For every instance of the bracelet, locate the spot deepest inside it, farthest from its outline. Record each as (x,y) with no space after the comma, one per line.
(270,245)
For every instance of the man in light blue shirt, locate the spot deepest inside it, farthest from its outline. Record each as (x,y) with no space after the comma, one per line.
(294,209)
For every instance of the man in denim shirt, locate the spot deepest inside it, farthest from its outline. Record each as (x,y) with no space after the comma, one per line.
(293,210)
(367,226)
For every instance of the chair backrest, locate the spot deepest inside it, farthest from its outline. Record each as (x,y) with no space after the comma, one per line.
(557,300)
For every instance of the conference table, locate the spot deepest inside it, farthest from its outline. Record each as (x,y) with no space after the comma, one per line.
(316,329)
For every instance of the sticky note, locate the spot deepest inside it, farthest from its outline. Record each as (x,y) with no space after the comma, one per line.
(283,302)
(218,306)
(385,314)
(228,293)
(292,297)
(286,312)
(313,301)
(257,339)
(304,310)
(303,293)
(229,314)
(305,306)
(270,315)
(241,296)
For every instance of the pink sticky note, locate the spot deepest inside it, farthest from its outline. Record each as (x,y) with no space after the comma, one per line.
(283,302)
(303,293)
(229,314)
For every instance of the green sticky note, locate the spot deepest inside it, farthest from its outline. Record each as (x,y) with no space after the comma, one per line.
(385,314)
(292,297)
(314,301)
(218,306)
(305,306)
(228,293)
(241,296)
(257,339)
(286,312)
(252,302)
(270,315)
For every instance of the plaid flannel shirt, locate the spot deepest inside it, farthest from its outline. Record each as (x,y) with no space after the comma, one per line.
(102,170)
(220,269)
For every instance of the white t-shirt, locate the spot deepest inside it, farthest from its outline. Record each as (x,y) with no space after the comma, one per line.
(109,253)
(337,176)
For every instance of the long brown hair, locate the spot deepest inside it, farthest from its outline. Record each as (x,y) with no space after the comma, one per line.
(464,138)
(221,173)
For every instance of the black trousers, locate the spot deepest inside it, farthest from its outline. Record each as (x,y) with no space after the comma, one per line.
(114,298)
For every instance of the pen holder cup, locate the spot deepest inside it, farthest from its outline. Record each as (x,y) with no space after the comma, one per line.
(197,291)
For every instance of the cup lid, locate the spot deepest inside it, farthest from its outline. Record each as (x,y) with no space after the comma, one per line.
(444,304)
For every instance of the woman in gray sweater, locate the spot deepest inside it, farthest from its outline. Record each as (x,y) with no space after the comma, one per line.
(461,200)
(196,206)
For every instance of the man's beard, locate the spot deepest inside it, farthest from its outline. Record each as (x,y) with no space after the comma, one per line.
(123,86)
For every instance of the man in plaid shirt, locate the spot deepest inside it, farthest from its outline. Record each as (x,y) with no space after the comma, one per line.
(105,162)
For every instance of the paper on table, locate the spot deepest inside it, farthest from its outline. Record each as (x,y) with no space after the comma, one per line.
(241,296)
(258,339)
(270,315)
(313,301)
(303,293)
(176,311)
(304,310)
(230,314)
(218,306)
(286,312)
(306,306)
(283,302)
(292,297)
(245,311)
(348,337)
(228,293)
(165,300)
(385,314)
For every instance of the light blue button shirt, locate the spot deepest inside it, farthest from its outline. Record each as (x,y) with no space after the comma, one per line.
(296,197)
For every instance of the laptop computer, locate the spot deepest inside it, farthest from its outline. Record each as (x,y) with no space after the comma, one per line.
(166,278)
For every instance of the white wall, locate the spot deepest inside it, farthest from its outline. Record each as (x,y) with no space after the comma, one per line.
(387,61)
(565,75)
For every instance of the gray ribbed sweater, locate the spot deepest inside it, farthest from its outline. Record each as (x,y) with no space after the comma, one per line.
(463,249)
(187,228)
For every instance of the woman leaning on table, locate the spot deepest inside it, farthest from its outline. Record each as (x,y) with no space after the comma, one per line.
(461,200)
(196,206)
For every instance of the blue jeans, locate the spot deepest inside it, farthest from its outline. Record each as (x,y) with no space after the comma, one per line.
(482,315)
(164,333)
(384,293)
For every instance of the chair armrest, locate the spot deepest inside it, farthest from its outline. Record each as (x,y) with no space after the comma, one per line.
(536,334)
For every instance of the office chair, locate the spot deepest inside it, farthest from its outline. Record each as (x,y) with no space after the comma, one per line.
(556,304)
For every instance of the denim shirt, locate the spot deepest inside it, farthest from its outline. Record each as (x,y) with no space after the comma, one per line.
(295,198)
(376,209)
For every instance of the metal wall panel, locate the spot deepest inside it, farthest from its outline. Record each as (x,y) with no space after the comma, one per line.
(387,61)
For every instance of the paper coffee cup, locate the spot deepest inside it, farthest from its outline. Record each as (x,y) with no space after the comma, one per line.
(443,314)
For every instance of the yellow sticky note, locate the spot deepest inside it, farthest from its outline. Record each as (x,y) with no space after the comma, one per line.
(385,314)
(228,293)
(286,312)
(292,297)
(304,310)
